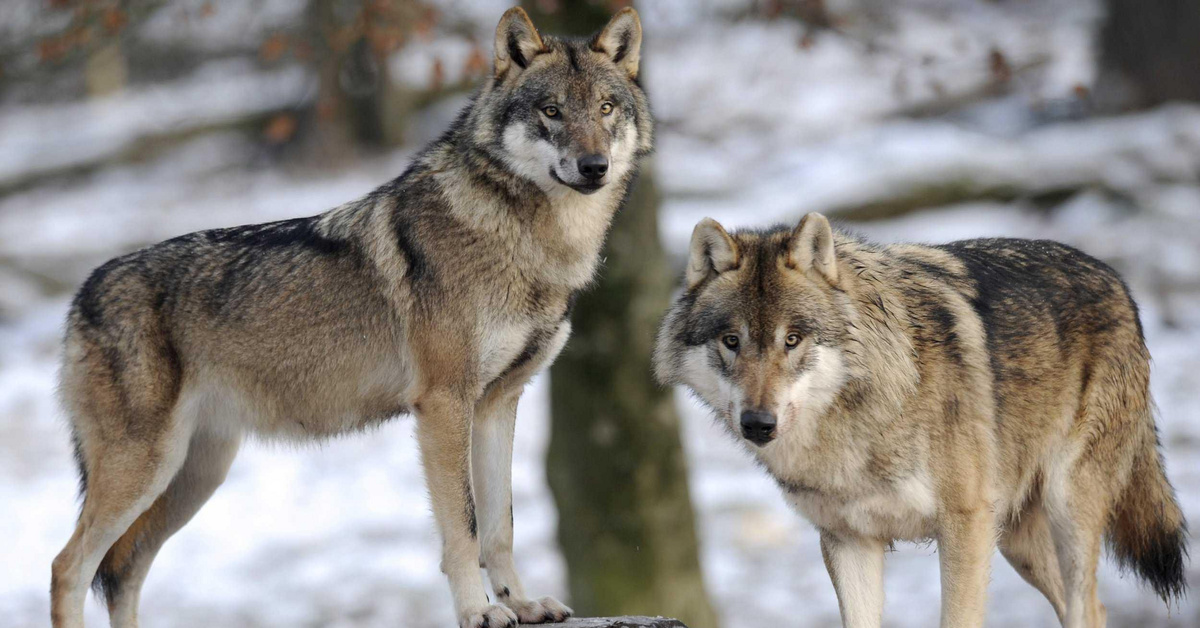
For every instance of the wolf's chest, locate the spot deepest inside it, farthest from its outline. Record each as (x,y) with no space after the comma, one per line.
(903,510)
(519,346)
(501,343)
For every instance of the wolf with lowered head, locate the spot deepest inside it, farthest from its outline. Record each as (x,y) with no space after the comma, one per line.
(979,393)
(439,294)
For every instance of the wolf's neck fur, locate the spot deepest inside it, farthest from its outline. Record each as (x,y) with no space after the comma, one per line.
(877,376)
(556,233)
(552,235)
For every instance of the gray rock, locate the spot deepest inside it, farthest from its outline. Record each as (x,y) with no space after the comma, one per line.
(620,622)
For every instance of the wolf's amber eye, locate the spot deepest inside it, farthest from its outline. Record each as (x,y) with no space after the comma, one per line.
(730,342)
(606,108)
(551,111)
(792,340)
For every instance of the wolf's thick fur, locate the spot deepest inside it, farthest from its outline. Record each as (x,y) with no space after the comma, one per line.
(440,293)
(974,393)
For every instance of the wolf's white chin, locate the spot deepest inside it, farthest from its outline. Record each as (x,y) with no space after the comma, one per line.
(529,158)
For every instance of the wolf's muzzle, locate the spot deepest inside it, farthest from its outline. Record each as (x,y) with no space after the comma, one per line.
(593,167)
(589,187)
(758,426)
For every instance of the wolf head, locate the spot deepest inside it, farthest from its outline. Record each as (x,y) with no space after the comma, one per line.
(567,114)
(757,331)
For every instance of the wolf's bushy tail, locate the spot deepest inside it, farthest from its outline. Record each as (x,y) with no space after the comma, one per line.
(1148,533)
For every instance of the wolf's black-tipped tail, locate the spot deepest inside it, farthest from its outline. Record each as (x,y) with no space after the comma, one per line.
(1148,533)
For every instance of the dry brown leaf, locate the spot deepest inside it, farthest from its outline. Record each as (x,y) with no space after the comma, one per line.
(384,39)
(439,74)
(273,48)
(51,49)
(114,20)
(476,62)
(998,63)
(280,128)
(302,50)
(326,108)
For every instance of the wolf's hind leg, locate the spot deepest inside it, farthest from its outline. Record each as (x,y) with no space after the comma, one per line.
(123,480)
(855,565)
(128,562)
(1029,548)
(491,458)
(1078,516)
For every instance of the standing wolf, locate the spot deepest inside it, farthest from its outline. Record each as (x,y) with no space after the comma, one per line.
(980,392)
(440,293)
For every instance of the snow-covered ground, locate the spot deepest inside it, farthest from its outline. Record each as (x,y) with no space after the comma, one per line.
(754,129)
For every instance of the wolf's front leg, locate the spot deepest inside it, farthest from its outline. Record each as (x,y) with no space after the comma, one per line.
(444,435)
(855,565)
(491,451)
(966,540)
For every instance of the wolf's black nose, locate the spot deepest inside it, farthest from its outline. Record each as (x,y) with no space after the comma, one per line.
(758,426)
(593,167)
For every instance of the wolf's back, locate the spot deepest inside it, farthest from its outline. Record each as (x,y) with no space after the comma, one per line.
(1048,309)
(1024,288)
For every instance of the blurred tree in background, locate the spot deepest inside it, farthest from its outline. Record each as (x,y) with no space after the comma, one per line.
(93,36)
(358,105)
(1152,50)
(616,464)
(82,49)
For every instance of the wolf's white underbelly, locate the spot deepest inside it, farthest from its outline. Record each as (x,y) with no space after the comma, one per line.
(305,406)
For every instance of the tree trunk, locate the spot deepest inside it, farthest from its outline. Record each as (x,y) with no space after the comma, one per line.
(1151,51)
(355,93)
(616,465)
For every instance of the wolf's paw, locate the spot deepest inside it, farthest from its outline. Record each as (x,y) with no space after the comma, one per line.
(539,611)
(493,616)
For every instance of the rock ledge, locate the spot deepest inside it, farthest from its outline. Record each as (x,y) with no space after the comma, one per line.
(619,622)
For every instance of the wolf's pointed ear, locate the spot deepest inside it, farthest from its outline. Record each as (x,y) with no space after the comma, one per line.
(517,41)
(712,252)
(811,248)
(621,40)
